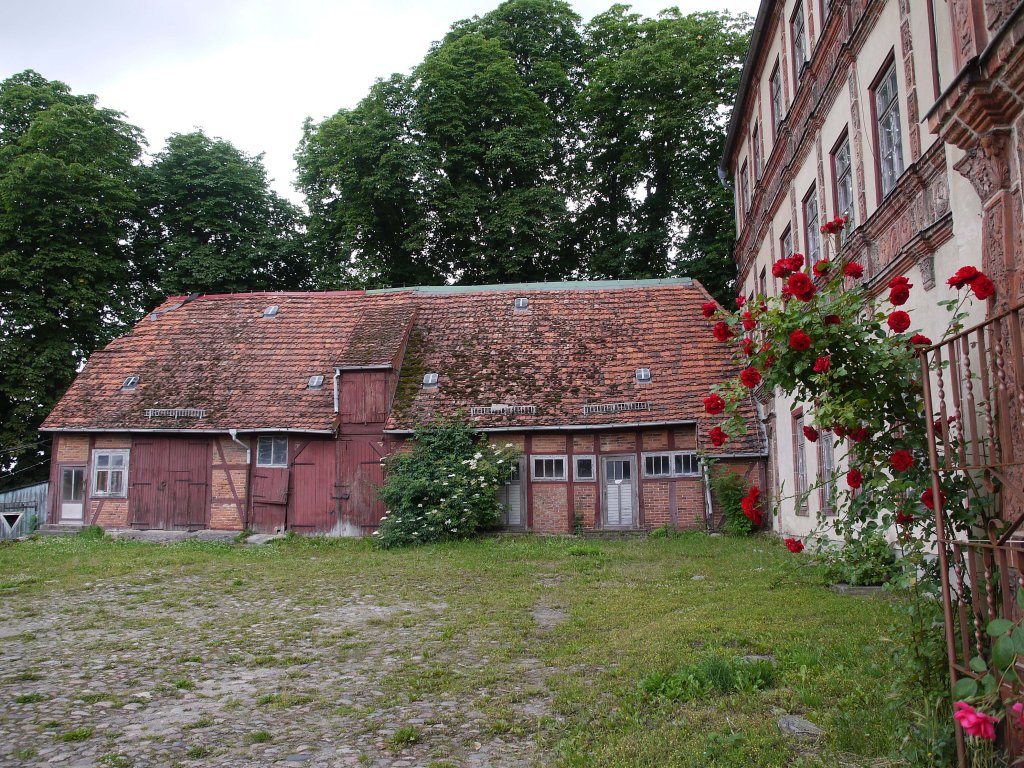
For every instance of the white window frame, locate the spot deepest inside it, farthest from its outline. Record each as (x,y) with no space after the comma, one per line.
(842,167)
(671,456)
(576,468)
(534,458)
(889,129)
(273,439)
(657,455)
(94,485)
(812,222)
(775,97)
(798,33)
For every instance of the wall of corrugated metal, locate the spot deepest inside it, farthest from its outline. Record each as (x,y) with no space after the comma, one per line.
(22,510)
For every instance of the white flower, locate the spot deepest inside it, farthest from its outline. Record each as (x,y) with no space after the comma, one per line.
(478,455)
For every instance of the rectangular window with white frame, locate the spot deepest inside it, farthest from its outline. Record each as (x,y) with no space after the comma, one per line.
(812,232)
(826,471)
(886,104)
(744,187)
(585,469)
(671,464)
(272,452)
(549,467)
(842,173)
(110,473)
(755,148)
(786,243)
(775,94)
(798,30)
(799,462)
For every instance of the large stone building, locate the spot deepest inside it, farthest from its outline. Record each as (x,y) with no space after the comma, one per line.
(905,116)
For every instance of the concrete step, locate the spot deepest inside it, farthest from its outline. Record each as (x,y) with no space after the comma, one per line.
(58,529)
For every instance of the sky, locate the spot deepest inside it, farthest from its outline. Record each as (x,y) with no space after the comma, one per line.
(249,71)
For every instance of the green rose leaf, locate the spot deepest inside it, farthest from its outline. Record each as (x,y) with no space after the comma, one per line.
(965,688)
(978,664)
(1020,598)
(999,627)
(1003,652)
(988,684)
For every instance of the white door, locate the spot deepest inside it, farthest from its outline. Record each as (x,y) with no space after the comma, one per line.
(72,494)
(619,509)
(511,497)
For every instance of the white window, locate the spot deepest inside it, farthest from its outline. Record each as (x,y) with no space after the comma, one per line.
(549,467)
(671,464)
(826,469)
(130,383)
(522,303)
(812,232)
(643,375)
(272,452)
(843,171)
(890,135)
(775,89)
(429,380)
(316,382)
(786,242)
(110,473)
(800,462)
(797,28)
(755,148)
(745,187)
(586,469)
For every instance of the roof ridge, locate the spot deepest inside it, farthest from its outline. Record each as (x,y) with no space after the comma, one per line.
(567,285)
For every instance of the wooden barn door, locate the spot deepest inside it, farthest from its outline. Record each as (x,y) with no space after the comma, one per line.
(147,486)
(188,469)
(361,475)
(269,499)
(311,504)
(169,481)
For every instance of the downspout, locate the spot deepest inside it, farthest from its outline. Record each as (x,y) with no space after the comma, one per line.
(233,434)
(709,509)
(337,376)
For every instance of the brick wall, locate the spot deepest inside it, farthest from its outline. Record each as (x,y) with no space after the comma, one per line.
(655,441)
(109,513)
(113,441)
(72,449)
(229,477)
(583,443)
(655,499)
(690,504)
(550,508)
(549,444)
(585,503)
(686,438)
(618,442)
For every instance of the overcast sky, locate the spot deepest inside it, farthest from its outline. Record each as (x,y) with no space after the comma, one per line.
(249,71)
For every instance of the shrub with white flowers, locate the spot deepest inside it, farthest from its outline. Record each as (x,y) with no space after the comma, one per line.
(445,487)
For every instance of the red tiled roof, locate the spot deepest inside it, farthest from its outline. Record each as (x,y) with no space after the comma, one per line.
(577,345)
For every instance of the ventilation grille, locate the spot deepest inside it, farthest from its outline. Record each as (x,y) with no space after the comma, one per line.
(616,407)
(486,410)
(175,413)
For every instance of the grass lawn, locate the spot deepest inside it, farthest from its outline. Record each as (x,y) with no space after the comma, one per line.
(499,652)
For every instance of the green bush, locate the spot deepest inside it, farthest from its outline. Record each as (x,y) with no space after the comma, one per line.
(863,561)
(445,487)
(729,490)
(711,674)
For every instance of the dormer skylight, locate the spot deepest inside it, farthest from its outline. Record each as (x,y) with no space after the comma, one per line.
(130,383)
(643,375)
(522,303)
(429,380)
(271,311)
(316,382)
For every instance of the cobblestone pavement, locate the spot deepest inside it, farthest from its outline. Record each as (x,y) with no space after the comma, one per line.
(192,672)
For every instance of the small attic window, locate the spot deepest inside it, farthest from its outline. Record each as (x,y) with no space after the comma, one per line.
(429,380)
(522,303)
(643,375)
(316,382)
(271,311)
(130,383)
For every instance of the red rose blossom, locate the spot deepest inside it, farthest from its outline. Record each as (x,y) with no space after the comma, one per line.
(811,434)
(904,518)
(714,404)
(740,301)
(786,293)
(928,499)
(822,364)
(801,286)
(797,260)
(748,322)
(722,331)
(983,287)
(901,460)
(858,435)
(900,280)
(750,377)
(920,340)
(751,505)
(854,270)
(898,296)
(899,321)
(748,346)
(795,546)
(781,268)
(799,341)
(822,267)
(831,320)
(718,437)
(963,276)
(854,478)
(709,308)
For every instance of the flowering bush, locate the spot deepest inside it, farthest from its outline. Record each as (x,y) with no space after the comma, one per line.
(730,490)
(445,487)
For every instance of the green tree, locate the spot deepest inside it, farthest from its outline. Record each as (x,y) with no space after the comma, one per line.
(220,227)
(69,172)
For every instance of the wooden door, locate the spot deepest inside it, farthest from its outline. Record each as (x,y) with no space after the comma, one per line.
(147,483)
(311,504)
(512,496)
(188,468)
(619,491)
(361,474)
(72,494)
(269,499)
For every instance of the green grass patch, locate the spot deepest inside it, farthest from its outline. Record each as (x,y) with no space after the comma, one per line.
(713,674)
(29,698)
(259,737)
(405,736)
(77,734)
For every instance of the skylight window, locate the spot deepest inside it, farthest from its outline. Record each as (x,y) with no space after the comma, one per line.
(429,380)
(271,311)
(130,383)
(522,303)
(316,382)
(643,375)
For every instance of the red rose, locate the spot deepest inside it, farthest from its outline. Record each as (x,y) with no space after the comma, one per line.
(718,437)
(768,362)
(919,340)
(898,296)
(740,301)
(900,280)
(801,286)
(799,341)
(827,228)
(854,270)
(748,346)
(928,499)
(858,434)
(722,331)
(963,276)
(822,267)
(709,308)
(854,478)
(840,430)
(811,434)
(751,505)
(904,518)
(750,377)
(797,261)
(714,404)
(831,320)
(822,364)
(786,293)
(781,268)
(983,287)
(899,321)
(901,460)
(748,321)
(795,546)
